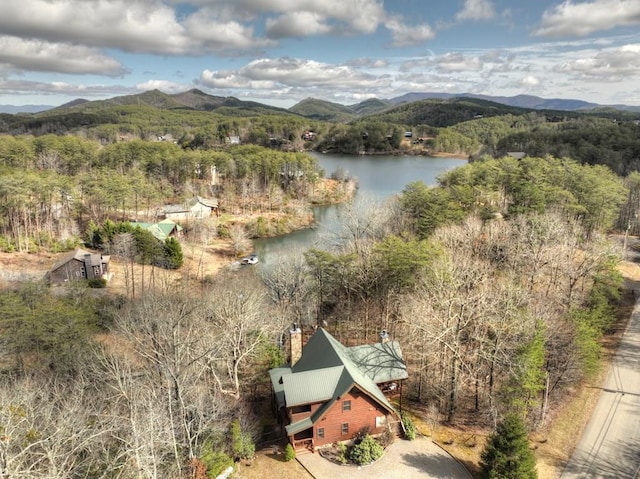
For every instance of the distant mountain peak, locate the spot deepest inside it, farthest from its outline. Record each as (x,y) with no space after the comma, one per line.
(519,101)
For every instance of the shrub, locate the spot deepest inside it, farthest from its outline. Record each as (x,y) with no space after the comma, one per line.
(342,457)
(289,453)
(409,427)
(361,434)
(216,462)
(223,231)
(97,283)
(367,451)
(6,245)
(242,446)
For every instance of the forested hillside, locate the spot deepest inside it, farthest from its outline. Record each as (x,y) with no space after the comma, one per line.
(52,187)
(499,282)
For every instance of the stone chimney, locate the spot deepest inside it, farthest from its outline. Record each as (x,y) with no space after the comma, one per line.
(295,336)
(384,336)
(88,266)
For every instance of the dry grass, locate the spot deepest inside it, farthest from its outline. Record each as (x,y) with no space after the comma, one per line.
(268,464)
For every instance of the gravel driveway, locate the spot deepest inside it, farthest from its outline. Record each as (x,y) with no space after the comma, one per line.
(419,459)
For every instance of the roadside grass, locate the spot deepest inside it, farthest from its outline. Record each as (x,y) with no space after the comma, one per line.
(555,442)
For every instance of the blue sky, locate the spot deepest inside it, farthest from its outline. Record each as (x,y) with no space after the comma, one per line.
(279,52)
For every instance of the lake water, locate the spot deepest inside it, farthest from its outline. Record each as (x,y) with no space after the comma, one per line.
(379,178)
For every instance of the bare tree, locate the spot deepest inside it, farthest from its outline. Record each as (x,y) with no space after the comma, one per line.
(124,246)
(240,242)
(288,287)
(49,430)
(201,234)
(169,338)
(241,316)
(443,314)
(362,221)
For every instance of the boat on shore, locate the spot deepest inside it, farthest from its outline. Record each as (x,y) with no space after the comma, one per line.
(249,260)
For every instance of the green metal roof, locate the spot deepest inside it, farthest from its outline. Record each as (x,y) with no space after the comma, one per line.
(161,230)
(297,388)
(278,386)
(296,427)
(382,362)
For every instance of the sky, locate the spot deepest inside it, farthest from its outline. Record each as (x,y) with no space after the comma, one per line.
(279,52)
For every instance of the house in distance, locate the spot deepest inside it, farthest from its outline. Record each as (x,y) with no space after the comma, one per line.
(79,265)
(329,392)
(195,209)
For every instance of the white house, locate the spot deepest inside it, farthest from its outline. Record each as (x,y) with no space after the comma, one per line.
(196,208)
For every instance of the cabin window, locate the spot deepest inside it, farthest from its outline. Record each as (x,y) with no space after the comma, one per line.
(345,428)
(346,405)
(320,433)
(381,421)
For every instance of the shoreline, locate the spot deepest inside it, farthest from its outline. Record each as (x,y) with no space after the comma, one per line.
(428,154)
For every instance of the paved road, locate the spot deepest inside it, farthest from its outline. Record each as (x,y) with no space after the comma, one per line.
(610,445)
(419,459)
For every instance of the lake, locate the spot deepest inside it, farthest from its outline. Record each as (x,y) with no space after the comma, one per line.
(379,178)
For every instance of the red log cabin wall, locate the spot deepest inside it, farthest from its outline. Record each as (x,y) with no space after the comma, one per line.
(360,413)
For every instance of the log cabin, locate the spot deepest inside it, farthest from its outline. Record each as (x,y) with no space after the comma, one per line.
(331,393)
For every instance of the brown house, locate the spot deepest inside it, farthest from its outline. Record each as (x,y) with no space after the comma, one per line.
(330,393)
(77,265)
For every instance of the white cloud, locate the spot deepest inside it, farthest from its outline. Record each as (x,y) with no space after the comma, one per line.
(476,10)
(297,79)
(206,33)
(300,72)
(143,26)
(297,24)
(611,65)
(233,80)
(26,87)
(163,85)
(36,55)
(529,81)
(405,35)
(368,63)
(352,16)
(457,62)
(583,18)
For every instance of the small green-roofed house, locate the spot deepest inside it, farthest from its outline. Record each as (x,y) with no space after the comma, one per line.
(330,392)
(161,230)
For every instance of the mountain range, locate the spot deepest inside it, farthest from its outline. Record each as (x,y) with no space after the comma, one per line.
(15,109)
(317,109)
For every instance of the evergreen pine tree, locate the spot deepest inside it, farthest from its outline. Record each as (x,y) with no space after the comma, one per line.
(507,454)
(173,253)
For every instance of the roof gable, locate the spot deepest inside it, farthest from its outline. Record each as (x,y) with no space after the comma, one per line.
(321,351)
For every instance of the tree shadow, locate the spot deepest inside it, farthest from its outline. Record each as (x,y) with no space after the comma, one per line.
(625,464)
(436,466)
